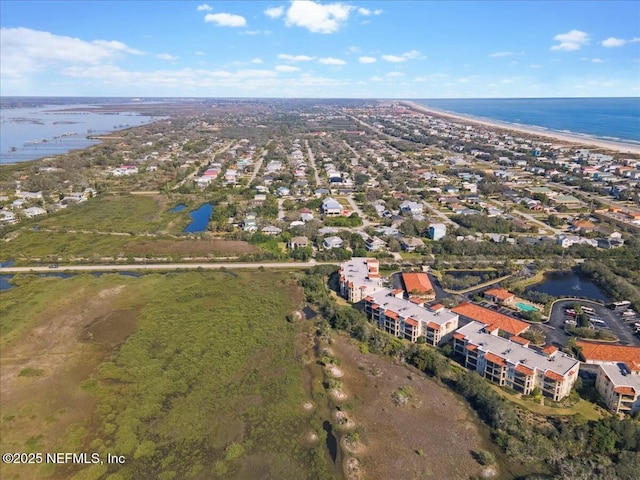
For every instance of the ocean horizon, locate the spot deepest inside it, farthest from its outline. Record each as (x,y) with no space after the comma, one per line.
(37,127)
(606,118)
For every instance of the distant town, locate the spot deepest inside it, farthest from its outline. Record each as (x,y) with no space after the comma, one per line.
(514,254)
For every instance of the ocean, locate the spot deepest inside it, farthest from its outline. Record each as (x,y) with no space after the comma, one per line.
(614,119)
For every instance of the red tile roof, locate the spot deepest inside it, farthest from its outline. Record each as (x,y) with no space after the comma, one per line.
(549,349)
(368,299)
(605,352)
(471,347)
(375,306)
(411,321)
(391,314)
(459,336)
(417,283)
(523,369)
(493,358)
(499,293)
(520,340)
(436,307)
(554,376)
(488,317)
(625,391)
(433,325)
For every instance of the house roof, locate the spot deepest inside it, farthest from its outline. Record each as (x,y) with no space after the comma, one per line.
(493,358)
(625,390)
(520,340)
(524,369)
(604,352)
(554,376)
(417,283)
(499,293)
(488,317)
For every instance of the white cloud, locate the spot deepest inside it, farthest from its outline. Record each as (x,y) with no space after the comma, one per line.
(199,53)
(367,59)
(535,65)
(376,79)
(410,55)
(204,8)
(295,58)
(256,32)
(618,42)
(395,74)
(26,51)
(256,60)
(592,60)
(274,12)
(573,40)
(225,19)
(394,58)
(501,54)
(286,68)
(166,56)
(316,17)
(367,12)
(332,61)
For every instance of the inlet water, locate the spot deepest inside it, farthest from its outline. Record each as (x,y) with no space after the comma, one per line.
(199,219)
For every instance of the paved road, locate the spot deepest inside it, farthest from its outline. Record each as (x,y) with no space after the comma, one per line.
(439,214)
(159,266)
(355,208)
(312,164)
(195,172)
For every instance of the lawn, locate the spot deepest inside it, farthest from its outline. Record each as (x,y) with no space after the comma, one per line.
(179,373)
(587,410)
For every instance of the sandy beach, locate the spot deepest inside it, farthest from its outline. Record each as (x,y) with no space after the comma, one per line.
(561,139)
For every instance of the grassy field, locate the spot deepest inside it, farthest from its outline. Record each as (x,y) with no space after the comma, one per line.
(189,375)
(50,246)
(126,213)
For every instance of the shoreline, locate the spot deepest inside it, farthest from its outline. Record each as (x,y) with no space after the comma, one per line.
(565,139)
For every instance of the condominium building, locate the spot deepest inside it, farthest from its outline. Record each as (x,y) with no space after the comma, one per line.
(410,320)
(511,363)
(619,387)
(359,277)
(505,324)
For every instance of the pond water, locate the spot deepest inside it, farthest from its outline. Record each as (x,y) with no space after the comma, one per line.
(568,284)
(199,219)
(178,208)
(332,442)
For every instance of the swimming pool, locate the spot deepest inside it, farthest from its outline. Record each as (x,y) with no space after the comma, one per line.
(526,308)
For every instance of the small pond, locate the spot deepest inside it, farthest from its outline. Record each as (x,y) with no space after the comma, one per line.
(178,208)
(568,284)
(199,219)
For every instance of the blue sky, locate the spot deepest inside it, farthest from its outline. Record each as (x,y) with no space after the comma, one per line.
(304,48)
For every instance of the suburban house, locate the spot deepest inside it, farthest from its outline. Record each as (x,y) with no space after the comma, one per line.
(507,326)
(332,242)
(619,387)
(331,207)
(409,320)
(298,242)
(271,230)
(373,244)
(437,231)
(500,296)
(34,212)
(359,277)
(123,170)
(418,285)
(411,244)
(511,363)
(250,224)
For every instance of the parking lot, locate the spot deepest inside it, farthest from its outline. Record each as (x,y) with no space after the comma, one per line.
(612,321)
